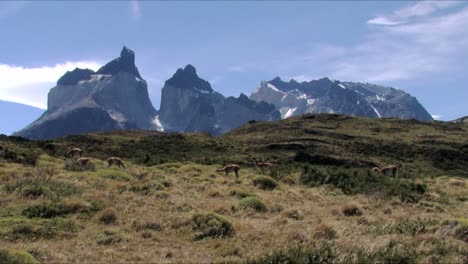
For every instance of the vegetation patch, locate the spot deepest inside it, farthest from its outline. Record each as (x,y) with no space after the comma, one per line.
(265,182)
(253,203)
(354,181)
(11,256)
(351,209)
(108,216)
(50,210)
(325,231)
(109,237)
(211,225)
(457,228)
(240,194)
(36,187)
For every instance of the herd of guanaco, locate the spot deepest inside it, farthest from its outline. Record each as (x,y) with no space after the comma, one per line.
(82,161)
(77,155)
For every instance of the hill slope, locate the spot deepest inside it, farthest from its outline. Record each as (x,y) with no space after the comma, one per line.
(319,201)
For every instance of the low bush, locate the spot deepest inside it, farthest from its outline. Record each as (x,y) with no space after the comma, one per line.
(325,253)
(240,194)
(325,231)
(108,216)
(37,191)
(254,203)
(353,181)
(109,237)
(351,209)
(37,186)
(211,225)
(49,210)
(293,214)
(11,256)
(265,182)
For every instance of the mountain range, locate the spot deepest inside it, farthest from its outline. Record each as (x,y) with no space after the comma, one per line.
(116,97)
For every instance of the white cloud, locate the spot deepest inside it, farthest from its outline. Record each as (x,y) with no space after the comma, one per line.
(432,45)
(437,117)
(135,10)
(31,85)
(410,11)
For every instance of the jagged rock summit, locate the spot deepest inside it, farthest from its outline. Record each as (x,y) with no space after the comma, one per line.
(331,96)
(189,104)
(114,97)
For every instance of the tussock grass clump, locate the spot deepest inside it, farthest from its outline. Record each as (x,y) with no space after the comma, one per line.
(265,182)
(325,253)
(147,225)
(109,237)
(211,225)
(113,174)
(410,227)
(293,214)
(49,210)
(108,216)
(35,187)
(351,209)
(240,194)
(11,256)
(457,228)
(37,191)
(75,166)
(254,203)
(324,231)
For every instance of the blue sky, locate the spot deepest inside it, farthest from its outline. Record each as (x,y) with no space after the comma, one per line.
(420,47)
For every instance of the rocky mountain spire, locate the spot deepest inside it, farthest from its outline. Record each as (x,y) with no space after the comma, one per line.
(124,63)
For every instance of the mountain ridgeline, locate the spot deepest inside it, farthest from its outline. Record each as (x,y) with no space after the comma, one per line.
(326,96)
(116,98)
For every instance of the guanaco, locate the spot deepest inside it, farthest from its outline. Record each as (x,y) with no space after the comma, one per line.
(393,169)
(262,165)
(230,168)
(73,152)
(115,161)
(83,161)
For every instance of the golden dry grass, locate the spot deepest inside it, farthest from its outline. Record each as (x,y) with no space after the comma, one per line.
(153,224)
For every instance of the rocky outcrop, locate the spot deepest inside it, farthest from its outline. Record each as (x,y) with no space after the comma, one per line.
(329,96)
(115,97)
(189,104)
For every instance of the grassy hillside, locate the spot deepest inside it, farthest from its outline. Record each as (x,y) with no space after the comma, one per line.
(319,203)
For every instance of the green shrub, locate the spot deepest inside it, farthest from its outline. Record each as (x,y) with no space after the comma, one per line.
(265,182)
(75,166)
(49,210)
(37,185)
(11,256)
(353,181)
(240,194)
(321,254)
(113,174)
(36,191)
(211,225)
(254,203)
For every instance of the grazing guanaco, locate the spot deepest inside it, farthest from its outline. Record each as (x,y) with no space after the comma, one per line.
(115,161)
(230,168)
(262,165)
(393,169)
(73,152)
(83,161)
